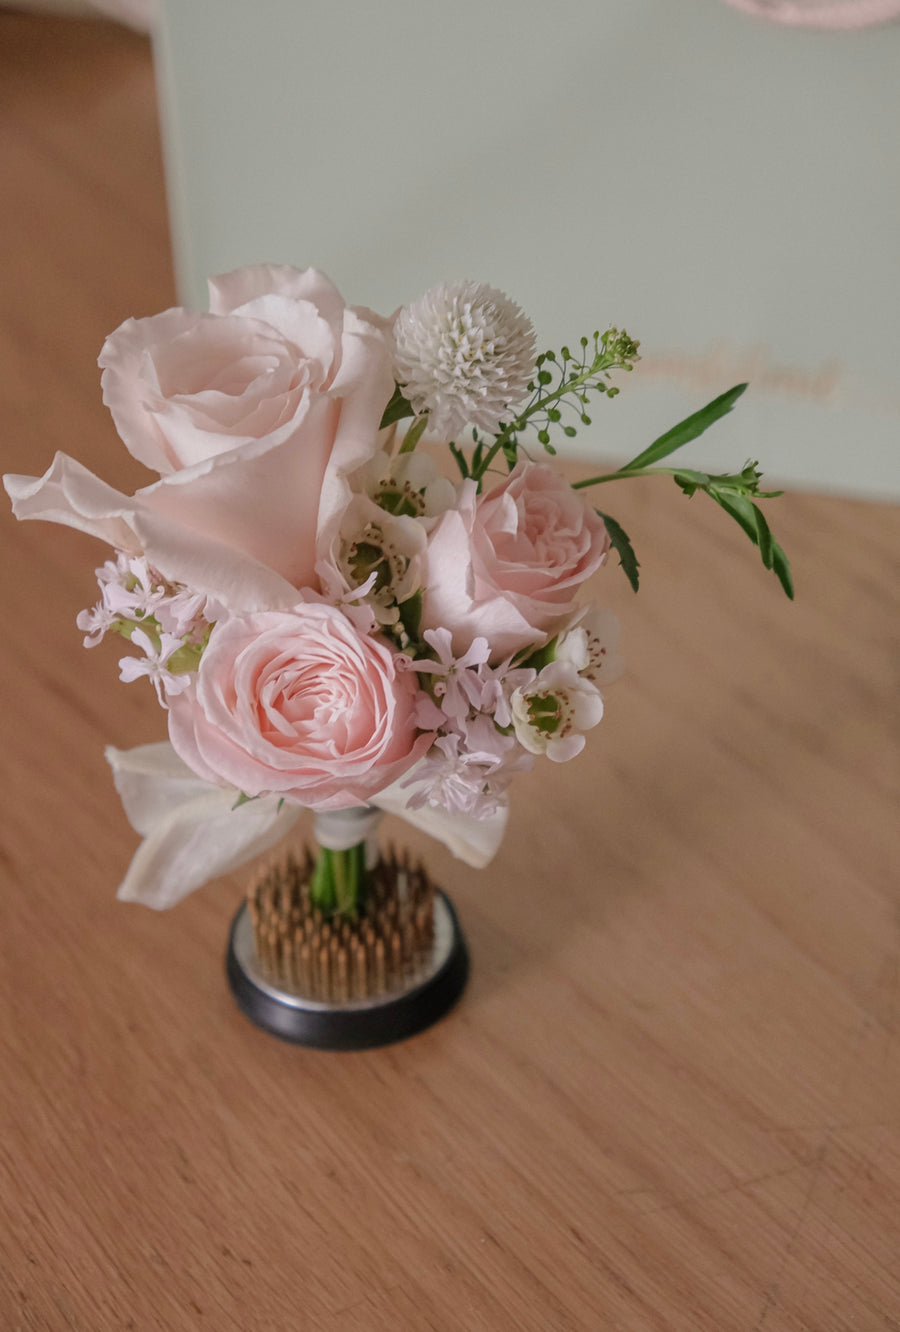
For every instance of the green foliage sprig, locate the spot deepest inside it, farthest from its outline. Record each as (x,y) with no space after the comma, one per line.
(732,491)
(563,381)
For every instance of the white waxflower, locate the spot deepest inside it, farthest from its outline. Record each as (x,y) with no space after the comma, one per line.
(390,547)
(551,714)
(465,354)
(409,484)
(591,647)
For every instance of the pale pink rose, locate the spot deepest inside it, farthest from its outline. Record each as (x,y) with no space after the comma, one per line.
(507,565)
(299,704)
(252,414)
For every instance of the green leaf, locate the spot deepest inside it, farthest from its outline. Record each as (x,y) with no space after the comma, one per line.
(411,613)
(397,408)
(741,509)
(686,430)
(460,458)
(541,657)
(243,800)
(620,543)
(782,569)
(750,517)
(414,434)
(691,481)
(764,537)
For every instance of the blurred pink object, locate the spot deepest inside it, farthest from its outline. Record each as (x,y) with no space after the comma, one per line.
(822,13)
(139,14)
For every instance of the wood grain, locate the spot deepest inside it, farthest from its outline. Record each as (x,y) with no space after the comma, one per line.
(670,1098)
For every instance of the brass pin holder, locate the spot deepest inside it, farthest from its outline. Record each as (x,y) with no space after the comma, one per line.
(346,983)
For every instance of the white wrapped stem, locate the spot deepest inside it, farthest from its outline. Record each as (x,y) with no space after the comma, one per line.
(341,829)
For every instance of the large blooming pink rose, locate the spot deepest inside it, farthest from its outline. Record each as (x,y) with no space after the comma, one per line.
(507,565)
(252,415)
(300,704)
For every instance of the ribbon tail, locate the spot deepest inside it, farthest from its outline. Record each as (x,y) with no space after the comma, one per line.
(192,831)
(475,841)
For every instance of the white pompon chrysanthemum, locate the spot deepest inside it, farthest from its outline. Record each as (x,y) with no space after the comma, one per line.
(465,354)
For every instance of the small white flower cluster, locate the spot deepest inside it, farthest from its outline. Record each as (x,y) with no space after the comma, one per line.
(161,618)
(464,354)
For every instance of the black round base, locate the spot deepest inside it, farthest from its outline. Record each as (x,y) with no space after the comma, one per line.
(358,1024)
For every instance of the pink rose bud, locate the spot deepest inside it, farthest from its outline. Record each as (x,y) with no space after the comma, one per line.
(508,565)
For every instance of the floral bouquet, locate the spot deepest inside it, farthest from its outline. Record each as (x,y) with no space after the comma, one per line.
(329,621)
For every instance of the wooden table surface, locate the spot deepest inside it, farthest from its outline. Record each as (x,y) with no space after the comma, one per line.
(670,1098)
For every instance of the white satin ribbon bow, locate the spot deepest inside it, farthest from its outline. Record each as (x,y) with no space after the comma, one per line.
(193,832)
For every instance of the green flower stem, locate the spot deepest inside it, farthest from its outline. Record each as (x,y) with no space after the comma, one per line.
(619,476)
(605,361)
(742,483)
(624,472)
(414,434)
(340,880)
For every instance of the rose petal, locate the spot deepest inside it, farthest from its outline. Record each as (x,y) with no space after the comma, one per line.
(261,501)
(125,390)
(229,291)
(301,324)
(68,493)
